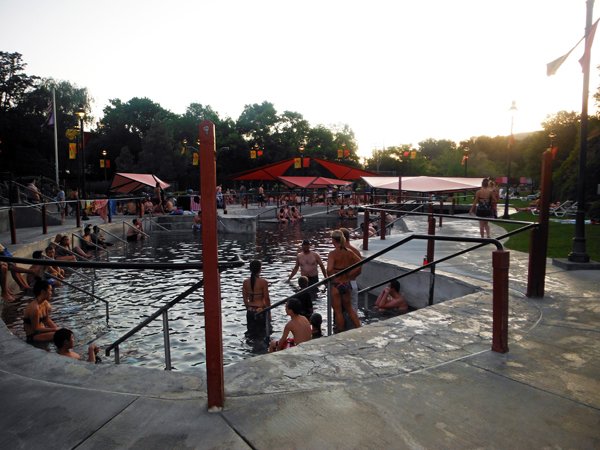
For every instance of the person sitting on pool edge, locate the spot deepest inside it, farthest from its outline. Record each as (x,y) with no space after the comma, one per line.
(134,232)
(38,268)
(299,326)
(390,298)
(55,271)
(64,342)
(306,304)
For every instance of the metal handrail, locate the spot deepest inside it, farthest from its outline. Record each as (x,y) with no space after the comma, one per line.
(155,223)
(161,311)
(92,244)
(68,251)
(131,226)
(76,272)
(49,275)
(113,235)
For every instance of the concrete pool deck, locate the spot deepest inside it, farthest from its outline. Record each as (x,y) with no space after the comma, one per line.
(426,380)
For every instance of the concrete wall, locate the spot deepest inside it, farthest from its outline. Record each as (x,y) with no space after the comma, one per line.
(4,221)
(415,287)
(225,224)
(29,218)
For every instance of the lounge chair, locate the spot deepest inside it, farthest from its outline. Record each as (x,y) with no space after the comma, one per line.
(557,210)
(566,210)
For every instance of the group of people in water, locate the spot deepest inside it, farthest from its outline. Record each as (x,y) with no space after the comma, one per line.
(304,323)
(288,214)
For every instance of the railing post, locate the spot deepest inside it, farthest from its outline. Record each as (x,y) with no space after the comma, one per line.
(329,313)
(538,240)
(500,265)
(453,204)
(78,213)
(366,231)
(441,211)
(212,284)
(382,225)
(430,257)
(44,220)
(117,358)
(13,226)
(165,316)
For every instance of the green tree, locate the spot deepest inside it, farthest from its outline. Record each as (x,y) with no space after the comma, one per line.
(157,155)
(14,82)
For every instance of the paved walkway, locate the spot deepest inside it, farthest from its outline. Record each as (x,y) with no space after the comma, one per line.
(426,380)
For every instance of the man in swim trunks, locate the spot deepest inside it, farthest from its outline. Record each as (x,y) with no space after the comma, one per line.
(354,293)
(309,263)
(299,326)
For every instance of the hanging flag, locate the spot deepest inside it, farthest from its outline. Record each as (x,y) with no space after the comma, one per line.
(406,154)
(297,163)
(464,159)
(260,153)
(72,150)
(554,152)
(511,141)
(183,150)
(346,153)
(306,162)
(252,154)
(108,163)
(413,155)
(49,115)
(585,59)
(553,66)
(195,159)
(102,164)
(340,153)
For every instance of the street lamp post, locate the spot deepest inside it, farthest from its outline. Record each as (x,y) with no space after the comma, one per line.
(104,154)
(511,142)
(81,113)
(466,157)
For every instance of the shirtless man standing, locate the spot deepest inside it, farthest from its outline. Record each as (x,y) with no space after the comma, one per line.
(354,293)
(307,261)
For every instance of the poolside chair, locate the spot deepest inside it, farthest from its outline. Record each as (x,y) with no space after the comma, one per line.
(565,210)
(559,209)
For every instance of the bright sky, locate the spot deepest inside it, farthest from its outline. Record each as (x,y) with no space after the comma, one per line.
(396,71)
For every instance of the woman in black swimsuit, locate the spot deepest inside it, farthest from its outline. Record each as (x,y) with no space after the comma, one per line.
(338,260)
(483,203)
(255,291)
(36,318)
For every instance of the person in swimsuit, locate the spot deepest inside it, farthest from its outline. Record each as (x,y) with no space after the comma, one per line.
(315,323)
(299,326)
(309,263)
(338,260)
(55,271)
(255,292)
(66,244)
(38,268)
(64,342)
(483,203)
(36,318)
(197,221)
(281,216)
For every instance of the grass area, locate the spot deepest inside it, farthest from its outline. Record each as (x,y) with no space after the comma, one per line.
(560,236)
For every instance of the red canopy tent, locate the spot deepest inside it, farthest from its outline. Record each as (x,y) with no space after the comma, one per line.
(129,182)
(310,182)
(268,172)
(345,172)
(425,184)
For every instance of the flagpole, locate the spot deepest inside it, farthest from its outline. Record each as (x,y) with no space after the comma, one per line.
(55,134)
(579,253)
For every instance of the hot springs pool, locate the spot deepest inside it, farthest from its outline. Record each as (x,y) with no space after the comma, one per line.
(135,295)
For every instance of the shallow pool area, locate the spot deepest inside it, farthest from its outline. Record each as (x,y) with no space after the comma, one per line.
(134,295)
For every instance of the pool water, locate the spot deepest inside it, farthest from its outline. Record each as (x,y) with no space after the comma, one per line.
(135,295)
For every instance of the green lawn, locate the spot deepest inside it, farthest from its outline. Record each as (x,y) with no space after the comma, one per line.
(560,238)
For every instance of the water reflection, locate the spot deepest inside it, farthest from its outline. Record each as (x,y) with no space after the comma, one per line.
(135,295)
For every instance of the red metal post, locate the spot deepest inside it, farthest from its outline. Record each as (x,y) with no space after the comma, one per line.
(500,265)
(13,226)
(538,241)
(44,220)
(210,259)
(366,231)
(382,225)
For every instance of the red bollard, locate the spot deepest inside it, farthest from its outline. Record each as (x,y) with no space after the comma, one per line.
(500,265)
(44,220)
(13,226)
(212,283)
(430,242)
